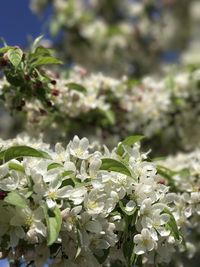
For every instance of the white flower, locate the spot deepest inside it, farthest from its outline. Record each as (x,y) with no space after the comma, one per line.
(144,242)
(77,195)
(70,216)
(51,191)
(15,180)
(32,219)
(61,154)
(94,203)
(157,222)
(91,171)
(79,148)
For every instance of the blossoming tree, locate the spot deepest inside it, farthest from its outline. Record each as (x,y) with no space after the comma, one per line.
(85,194)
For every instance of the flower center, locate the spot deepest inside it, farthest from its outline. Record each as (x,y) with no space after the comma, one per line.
(52,195)
(29,221)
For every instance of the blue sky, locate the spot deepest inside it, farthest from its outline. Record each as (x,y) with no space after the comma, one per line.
(17,22)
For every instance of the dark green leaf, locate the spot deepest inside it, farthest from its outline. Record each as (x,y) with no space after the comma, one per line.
(22,151)
(115,166)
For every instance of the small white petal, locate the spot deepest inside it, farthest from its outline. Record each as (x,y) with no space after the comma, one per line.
(130,206)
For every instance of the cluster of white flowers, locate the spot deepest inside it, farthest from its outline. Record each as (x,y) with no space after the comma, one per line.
(183,171)
(79,206)
(118,32)
(85,101)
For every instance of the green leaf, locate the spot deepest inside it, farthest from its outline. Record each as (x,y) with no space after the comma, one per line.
(53,221)
(15,199)
(115,166)
(16,167)
(76,87)
(22,151)
(42,51)
(53,166)
(172,224)
(15,56)
(131,140)
(67,173)
(45,61)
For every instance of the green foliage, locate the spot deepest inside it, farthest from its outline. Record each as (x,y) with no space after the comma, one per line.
(25,72)
(53,166)
(45,61)
(16,199)
(53,221)
(115,166)
(16,167)
(22,151)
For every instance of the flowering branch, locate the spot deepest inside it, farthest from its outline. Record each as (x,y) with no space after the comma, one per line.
(81,206)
